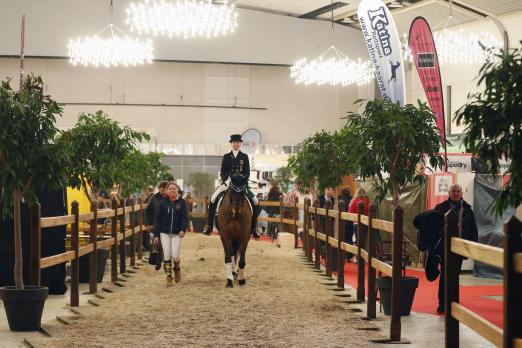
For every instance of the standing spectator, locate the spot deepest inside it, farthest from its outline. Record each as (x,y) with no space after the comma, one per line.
(273,195)
(360,196)
(152,208)
(467,230)
(190,208)
(170,224)
(328,196)
(348,225)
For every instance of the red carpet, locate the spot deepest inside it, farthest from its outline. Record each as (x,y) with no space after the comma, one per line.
(426,299)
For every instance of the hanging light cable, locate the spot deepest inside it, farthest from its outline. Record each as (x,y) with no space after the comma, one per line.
(110,47)
(186,18)
(332,67)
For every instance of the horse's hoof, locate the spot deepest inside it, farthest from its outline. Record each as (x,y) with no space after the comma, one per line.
(230,283)
(242,281)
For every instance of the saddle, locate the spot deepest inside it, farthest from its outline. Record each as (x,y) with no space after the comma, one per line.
(219,200)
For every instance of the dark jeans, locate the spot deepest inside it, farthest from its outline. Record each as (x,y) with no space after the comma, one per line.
(348,236)
(442,280)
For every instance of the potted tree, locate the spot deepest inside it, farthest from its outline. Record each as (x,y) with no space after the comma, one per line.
(319,165)
(202,186)
(283,178)
(30,161)
(493,122)
(386,143)
(97,147)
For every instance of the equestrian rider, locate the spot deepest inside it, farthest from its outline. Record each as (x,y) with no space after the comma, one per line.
(233,162)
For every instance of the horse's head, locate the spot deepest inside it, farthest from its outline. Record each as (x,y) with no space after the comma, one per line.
(236,194)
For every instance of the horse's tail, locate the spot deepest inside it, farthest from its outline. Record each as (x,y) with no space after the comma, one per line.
(235,247)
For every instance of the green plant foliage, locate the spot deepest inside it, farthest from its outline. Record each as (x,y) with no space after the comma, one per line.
(493,122)
(202,184)
(97,145)
(387,141)
(138,170)
(30,160)
(318,164)
(283,178)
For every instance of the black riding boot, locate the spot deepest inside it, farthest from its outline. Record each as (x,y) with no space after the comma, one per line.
(255,213)
(210,224)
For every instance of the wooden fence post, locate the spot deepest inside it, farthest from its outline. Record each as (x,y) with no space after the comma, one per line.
(305,227)
(93,267)
(451,278)
(75,279)
(395,324)
(140,223)
(328,232)
(295,213)
(132,240)
(371,305)
(36,244)
(281,212)
(340,252)
(512,282)
(114,247)
(123,252)
(360,260)
(309,226)
(316,240)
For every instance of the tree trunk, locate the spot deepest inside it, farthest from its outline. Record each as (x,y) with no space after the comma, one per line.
(18,266)
(395,194)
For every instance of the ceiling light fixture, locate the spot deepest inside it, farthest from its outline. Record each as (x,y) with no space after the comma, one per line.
(186,18)
(116,48)
(110,47)
(332,68)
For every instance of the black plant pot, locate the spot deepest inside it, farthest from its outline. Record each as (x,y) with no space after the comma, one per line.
(101,262)
(408,287)
(24,307)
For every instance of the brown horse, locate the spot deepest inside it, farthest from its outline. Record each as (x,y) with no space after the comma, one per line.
(234,221)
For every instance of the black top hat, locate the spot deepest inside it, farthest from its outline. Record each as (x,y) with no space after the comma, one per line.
(235,137)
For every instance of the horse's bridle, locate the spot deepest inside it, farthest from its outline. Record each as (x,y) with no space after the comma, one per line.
(233,203)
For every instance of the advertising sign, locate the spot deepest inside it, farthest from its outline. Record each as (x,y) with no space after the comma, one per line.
(382,39)
(426,61)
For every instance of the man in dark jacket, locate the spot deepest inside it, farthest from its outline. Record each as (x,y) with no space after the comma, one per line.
(153,207)
(467,229)
(235,162)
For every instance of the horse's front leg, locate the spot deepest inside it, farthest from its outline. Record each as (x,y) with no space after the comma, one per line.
(242,264)
(228,264)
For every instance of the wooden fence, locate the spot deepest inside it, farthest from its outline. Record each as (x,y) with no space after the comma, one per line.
(120,233)
(509,259)
(318,227)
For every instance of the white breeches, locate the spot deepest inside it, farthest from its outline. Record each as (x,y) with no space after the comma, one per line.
(171,244)
(222,188)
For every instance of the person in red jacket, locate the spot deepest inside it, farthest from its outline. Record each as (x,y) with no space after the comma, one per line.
(360,196)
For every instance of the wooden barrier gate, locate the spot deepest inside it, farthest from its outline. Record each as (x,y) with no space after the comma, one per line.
(509,259)
(38,223)
(319,225)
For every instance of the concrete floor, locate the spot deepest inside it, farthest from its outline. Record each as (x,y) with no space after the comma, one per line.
(419,329)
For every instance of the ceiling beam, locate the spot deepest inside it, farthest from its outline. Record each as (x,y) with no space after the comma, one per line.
(352,12)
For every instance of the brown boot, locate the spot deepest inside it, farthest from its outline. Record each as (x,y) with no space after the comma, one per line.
(167,267)
(177,272)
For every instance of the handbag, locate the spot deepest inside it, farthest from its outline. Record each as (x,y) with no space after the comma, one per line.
(153,257)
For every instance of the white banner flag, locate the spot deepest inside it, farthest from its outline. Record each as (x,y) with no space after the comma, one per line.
(382,39)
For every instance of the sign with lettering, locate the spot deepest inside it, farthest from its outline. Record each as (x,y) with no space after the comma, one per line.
(382,39)
(424,54)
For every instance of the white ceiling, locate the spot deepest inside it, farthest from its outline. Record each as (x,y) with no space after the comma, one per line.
(435,11)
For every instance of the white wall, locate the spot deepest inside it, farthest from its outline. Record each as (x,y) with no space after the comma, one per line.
(293,111)
(260,37)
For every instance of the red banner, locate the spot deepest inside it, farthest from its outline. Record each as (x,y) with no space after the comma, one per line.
(438,188)
(427,63)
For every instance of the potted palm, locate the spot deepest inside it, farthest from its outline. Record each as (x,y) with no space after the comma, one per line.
(30,161)
(386,143)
